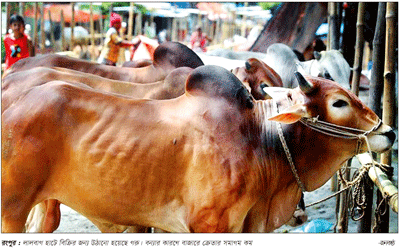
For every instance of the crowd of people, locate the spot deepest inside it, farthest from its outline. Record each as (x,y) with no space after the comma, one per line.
(19,45)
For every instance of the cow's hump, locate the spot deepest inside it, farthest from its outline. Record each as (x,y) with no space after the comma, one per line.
(216,81)
(176,55)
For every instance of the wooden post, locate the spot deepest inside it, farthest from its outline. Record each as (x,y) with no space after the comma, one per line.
(355,82)
(388,114)
(376,85)
(244,26)
(225,30)
(63,43)
(244,22)
(130,21)
(72,41)
(343,215)
(174,33)
(233,25)
(111,8)
(101,22)
(21,8)
(334,26)
(35,27)
(51,31)
(42,33)
(8,14)
(199,18)
(138,24)
(92,55)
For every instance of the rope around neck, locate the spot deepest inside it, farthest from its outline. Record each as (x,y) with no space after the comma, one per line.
(289,157)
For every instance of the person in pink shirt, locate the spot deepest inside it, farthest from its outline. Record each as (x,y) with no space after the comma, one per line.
(198,40)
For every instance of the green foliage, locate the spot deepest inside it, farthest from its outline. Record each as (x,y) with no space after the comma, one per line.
(268,5)
(85,6)
(105,7)
(141,8)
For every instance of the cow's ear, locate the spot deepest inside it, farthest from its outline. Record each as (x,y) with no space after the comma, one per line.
(290,115)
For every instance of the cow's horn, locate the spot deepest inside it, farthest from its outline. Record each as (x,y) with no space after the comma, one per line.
(248,66)
(305,86)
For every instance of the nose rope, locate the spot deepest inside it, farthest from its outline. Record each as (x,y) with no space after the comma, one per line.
(337,130)
(341,131)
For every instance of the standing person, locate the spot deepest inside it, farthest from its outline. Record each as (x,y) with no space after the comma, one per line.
(198,40)
(113,42)
(17,44)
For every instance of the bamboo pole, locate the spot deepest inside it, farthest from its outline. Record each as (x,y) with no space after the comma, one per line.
(174,33)
(334,26)
(199,17)
(328,36)
(376,84)
(92,55)
(8,14)
(244,22)
(343,203)
(365,223)
(130,21)
(333,43)
(51,30)
(343,215)
(101,22)
(244,26)
(382,181)
(378,48)
(388,114)
(62,31)
(355,82)
(35,27)
(138,24)
(21,8)
(72,41)
(389,72)
(42,33)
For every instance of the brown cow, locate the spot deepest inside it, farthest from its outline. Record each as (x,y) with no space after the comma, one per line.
(171,87)
(257,75)
(210,159)
(167,57)
(14,84)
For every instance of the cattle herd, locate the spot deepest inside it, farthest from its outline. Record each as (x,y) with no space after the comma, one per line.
(175,144)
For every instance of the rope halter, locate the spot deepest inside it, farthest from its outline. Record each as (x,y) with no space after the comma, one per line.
(340,131)
(329,129)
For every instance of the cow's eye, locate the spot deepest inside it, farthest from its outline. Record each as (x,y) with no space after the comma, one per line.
(340,104)
(327,75)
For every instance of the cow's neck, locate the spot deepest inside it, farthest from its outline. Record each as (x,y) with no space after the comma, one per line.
(316,156)
(275,165)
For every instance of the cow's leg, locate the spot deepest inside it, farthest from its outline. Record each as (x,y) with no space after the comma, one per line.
(12,225)
(16,202)
(52,217)
(138,229)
